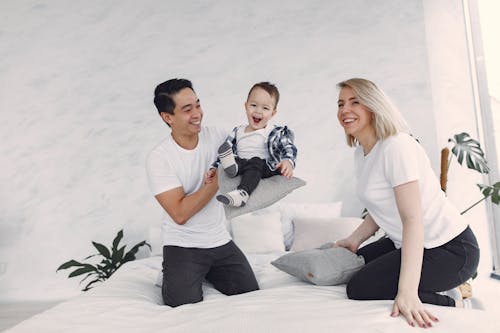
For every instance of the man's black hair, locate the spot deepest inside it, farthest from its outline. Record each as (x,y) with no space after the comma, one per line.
(165,91)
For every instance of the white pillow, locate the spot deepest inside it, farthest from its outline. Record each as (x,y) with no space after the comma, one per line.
(258,233)
(291,211)
(312,232)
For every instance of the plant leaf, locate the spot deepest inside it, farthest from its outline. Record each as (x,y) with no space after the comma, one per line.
(88,275)
(117,240)
(69,264)
(493,191)
(118,255)
(87,287)
(83,270)
(130,255)
(468,149)
(103,250)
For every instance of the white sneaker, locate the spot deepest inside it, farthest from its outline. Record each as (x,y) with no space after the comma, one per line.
(473,303)
(236,198)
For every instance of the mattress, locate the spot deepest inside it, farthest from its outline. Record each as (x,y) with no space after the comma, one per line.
(130,301)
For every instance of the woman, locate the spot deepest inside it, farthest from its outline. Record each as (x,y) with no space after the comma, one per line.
(429,247)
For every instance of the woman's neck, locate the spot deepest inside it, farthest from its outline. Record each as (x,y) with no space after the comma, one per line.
(368,141)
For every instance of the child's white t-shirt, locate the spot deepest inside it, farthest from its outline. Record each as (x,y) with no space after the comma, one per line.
(252,144)
(170,166)
(397,160)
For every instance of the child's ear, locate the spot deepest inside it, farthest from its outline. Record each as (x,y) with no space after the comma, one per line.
(274,111)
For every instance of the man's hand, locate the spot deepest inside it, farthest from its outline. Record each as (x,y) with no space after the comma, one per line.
(211,176)
(286,168)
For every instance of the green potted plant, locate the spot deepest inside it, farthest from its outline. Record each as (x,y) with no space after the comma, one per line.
(112,259)
(468,151)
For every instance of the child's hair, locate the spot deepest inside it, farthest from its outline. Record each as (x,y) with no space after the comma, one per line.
(387,119)
(269,88)
(165,91)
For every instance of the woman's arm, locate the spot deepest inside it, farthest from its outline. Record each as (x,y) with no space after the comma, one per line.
(364,231)
(407,301)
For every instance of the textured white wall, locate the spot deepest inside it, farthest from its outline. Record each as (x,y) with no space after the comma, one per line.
(76,85)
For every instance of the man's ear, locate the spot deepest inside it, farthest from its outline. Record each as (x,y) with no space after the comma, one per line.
(167,117)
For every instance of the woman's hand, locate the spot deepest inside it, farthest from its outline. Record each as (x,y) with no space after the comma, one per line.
(285,168)
(413,310)
(348,243)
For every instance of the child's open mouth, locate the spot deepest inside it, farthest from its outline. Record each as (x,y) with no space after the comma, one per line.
(256,120)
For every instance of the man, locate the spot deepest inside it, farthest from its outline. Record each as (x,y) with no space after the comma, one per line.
(196,242)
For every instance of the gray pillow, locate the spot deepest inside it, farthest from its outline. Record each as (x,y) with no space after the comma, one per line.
(269,191)
(323,267)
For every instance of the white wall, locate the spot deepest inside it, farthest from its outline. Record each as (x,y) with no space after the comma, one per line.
(76,86)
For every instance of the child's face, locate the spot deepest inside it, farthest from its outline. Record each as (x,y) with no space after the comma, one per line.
(260,107)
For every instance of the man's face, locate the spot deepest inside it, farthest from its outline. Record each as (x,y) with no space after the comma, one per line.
(187,116)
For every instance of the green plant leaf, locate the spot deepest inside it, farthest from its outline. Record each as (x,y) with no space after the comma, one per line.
(468,149)
(103,250)
(87,287)
(491,190)
(117,240)
(69,264)
(130,255)
(118,255)
(83,270)
(89,275)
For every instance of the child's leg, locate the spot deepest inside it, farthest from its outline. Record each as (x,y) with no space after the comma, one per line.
(250,171)
(251,174)
(266,172)
(227,160)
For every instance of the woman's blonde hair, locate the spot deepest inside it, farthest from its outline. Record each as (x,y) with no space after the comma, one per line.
(387,120)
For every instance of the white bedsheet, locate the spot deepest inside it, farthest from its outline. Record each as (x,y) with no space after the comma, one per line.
(130,302)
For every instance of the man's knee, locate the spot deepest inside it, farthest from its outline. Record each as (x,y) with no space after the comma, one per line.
(242,288)
(179,297)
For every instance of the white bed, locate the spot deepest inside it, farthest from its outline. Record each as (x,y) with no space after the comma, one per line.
(131,302)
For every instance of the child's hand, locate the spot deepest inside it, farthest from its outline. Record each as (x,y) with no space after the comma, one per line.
(286,168)
(211,176)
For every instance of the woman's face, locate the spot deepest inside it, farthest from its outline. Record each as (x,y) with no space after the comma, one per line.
(354,117)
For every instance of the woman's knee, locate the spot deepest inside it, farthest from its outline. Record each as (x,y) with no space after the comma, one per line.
(354,289)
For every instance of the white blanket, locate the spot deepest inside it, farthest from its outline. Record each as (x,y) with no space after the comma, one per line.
(130,302)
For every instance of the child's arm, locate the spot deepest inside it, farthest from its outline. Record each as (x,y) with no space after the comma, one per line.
(288,152)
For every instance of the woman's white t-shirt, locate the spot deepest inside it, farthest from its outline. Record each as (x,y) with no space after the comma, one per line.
(170,166)
(394,161)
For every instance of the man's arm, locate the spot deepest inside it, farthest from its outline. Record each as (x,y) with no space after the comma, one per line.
(182,207)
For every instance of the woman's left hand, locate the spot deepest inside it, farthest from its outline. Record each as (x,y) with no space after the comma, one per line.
(413,310)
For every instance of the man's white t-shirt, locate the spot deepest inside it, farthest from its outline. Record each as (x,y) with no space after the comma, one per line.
(170,166)
(397,160)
